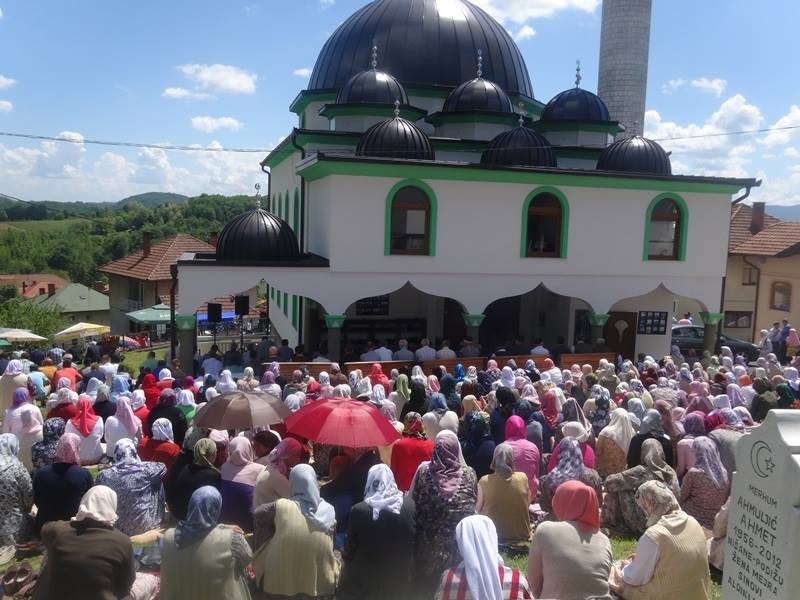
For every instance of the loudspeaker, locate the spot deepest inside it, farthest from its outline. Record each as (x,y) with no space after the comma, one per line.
(242,305)
(214,312)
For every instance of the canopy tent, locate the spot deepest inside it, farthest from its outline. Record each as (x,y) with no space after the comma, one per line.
(80,330)
(158,314)
(20,335)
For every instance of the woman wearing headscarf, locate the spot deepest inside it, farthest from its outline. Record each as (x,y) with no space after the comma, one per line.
(12,378)
(248,382)
(378,553)
(448,390)
(651,428)
(297,559)
(694,427)
(726,432)
(417,401)
(481,572)
(161,447)
(378,377)
(65,400)
(87,557)
(620,513)
(16,492)
(24,420)
(674,543)
(477,443)
(200,472)
(613,442)
(410,451)
(549,418)
(139,406)
(575,430)
(401,394)
(432,386)
(764,400)
(123,424)
(239,474)
(102,405)
(268,384)
(168,409)
(140,493)
(225,383)
(571,558)
(504,497)
(444,492)
(151,391)
(89,428)
(59,487)
(44,452)
(526,455)
(706,486)
(273,482)
(187,404)
(569,466)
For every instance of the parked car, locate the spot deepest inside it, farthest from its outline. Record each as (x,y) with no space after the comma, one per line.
(691,337)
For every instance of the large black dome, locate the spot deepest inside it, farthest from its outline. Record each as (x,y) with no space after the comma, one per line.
(635,154)
(395,138)
(257,235)
(424,42)
(478,95)
(519,147)
(374,87)
(575,104)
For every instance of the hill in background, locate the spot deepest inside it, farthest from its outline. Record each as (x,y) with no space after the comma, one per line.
(787,213)
(151,199)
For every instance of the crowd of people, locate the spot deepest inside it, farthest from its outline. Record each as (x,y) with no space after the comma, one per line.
(127,497)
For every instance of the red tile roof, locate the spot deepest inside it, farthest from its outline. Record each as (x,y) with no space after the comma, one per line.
(155,266)
(780,239)
(34,284)
(741,215)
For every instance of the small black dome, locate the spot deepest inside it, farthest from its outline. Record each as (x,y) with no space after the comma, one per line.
(257,235)
(478,95)
(576,104)
(519,147)
(374,87)
(635,154)
(395,138)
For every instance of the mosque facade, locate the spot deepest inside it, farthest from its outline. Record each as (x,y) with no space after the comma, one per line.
(426,192)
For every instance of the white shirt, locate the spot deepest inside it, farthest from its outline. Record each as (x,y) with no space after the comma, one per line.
(12,423)
(640,570)
(115,431)
(90,452)
(212,366)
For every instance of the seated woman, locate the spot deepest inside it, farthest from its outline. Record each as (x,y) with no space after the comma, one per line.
(379,551)
(43,453)
(161,447)
(24,420)
(481,572)
(122,424)
(201,472)
(140,494)
(694,427)
(273,482)
(201,558)
(297,557)
(549,418)
(89,428)
(239,474)
(577,431)
(59,487)
(571,559)
(65,402)
(504,497)
(651,428)
(671,559)
(570,466)
(476,442)
(526,454)
(410,451)
(621,514)
(139,406)
(613,442)
(705,486)
(16,498)
(167,409)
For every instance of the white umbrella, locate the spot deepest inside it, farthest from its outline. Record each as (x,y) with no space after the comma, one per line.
(81,330)
(21,335)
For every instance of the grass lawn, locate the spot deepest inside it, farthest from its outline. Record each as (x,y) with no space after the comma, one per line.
(134,360)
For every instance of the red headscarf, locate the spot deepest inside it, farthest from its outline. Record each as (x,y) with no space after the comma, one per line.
(86,418)
(549,364)
(151,390)
(550,408)
(577,502)
(378,377)
(713,422)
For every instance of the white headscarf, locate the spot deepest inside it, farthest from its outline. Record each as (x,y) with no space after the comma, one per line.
(98,504)
(305,492)
(165,374)
(211,393)
(186,398)
(162,430)
(507,378)
(138,399)
(381,491)
(417,374)
(619,429)
(477,543)
(225,383)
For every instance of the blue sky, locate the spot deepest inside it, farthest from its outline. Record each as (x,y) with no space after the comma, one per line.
(222,74)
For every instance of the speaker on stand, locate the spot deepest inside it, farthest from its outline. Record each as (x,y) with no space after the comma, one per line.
(242,308)
(214,314)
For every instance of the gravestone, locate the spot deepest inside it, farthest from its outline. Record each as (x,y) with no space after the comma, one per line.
(762,556)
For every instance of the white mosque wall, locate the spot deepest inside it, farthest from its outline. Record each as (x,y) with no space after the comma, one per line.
(591,139)
(660,300)
(471,131)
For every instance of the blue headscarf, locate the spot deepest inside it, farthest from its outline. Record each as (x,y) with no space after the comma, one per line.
(438,403)
(458,372)
(205,506)
(120,386)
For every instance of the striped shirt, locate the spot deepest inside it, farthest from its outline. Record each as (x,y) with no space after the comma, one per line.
(454,585)
(425,353)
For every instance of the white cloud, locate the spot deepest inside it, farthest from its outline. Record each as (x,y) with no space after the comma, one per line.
(327,3)
(220,78)
(6,106)
(522,11)
(1,13)
(305,72)
(524,32)
(209,124)
(60,159)
(714,86)
(182,93)
(791,152)
(6,82)
(782,135)
(673,85)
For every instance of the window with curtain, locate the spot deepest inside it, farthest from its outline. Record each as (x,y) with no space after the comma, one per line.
(781,296)
(543,237)
(411,219)
(665,230)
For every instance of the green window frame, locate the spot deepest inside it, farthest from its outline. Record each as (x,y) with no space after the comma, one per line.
(556,207)
(656,213)
(286,207)
(431,218)
(296,212)
(285,304)
(294,311)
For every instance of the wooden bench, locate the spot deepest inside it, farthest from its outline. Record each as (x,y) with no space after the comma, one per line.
(313,368)
(593,358)
(450,363)
(386,365)
(520,359)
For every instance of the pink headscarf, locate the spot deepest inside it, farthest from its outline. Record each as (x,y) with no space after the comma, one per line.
(125,415)
(68,449)
(285,455)
(491,366)
(240,467)
(433,385)
(445,465)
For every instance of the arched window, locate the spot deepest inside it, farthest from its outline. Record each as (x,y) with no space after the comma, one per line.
(780,297)
(412,220)
(545,222)
(665,230)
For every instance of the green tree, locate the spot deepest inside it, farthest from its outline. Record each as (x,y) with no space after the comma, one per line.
(23,314)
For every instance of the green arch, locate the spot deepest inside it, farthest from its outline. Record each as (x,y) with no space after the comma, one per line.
(683,225)
(387,238)
(296,212)
(546,189)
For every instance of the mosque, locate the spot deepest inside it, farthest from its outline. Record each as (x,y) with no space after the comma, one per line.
(426,192)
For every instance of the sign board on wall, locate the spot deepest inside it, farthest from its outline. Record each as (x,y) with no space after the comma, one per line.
(377,306)
(652,322)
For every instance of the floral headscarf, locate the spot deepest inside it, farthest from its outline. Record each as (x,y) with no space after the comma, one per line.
(162,430)
(205,506)
(656,500)
(445,465)
(708,460)
(68,449)
(381,492)
(285,455)
(125,452)
(569,465)
(413,425)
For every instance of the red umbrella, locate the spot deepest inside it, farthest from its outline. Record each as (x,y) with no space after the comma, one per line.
(342,422)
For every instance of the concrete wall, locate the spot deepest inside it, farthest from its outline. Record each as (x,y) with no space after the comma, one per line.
(659,300)
(779,269)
